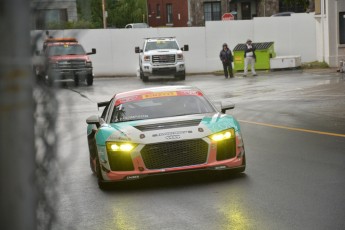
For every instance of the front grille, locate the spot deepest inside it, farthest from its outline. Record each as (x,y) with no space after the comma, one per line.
(167,58)
(168,125)
(175,154)
(226,149)
(120,161)
(72,64)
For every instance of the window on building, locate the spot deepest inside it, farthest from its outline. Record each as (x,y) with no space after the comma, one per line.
(212,11)
(341,27)
(46,18)
(169,14)
(158,10)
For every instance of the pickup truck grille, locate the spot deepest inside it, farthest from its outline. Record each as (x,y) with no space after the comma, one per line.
(72,64)
(168,58)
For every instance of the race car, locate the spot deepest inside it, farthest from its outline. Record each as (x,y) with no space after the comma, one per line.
(162,130)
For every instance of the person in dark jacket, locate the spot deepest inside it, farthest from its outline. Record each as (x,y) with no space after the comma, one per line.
(249,58)
(226,58)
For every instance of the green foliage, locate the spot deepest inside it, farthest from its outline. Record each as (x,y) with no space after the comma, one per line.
(315,65)
(291,3)
(120,12)
(81,24)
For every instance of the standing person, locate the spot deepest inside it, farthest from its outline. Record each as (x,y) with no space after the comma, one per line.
(249,58)
(226,58)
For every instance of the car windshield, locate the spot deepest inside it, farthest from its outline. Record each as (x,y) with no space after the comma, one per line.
(161,44)
(65,50)
(160,107)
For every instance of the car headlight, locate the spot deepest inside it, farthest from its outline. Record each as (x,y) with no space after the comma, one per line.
(226,134)
(146,58)
(179,56)
(120,146)
(88,64)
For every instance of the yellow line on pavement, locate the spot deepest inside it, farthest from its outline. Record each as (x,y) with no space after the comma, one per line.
(294,129)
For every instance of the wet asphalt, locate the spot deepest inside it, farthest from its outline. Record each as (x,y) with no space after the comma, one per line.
(293,125)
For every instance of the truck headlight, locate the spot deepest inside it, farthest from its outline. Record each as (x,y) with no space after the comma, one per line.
(120,146)
(179,56)
(226,134)
(146,58)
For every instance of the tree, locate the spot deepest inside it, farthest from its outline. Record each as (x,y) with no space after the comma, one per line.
(120,12)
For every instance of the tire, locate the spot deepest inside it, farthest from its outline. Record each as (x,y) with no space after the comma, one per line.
(89,79)
(102,185)
(145,79)
(49,81)
(92,166)
(141,74)
(76,80)
(181,76)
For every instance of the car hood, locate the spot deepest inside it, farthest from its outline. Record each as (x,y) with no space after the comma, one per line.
(166,129)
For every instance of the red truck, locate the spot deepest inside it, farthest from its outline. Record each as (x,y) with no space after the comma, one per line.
(63,59)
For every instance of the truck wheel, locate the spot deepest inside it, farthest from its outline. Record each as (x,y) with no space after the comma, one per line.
(145,79)
(181,76)
(89,79)
(76,80)
(49,80)
(141,74)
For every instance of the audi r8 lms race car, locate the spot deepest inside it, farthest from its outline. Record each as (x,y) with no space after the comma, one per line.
(162,130)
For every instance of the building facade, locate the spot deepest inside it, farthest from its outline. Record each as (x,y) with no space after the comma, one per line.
(330,31)
(196,12)
(46,12)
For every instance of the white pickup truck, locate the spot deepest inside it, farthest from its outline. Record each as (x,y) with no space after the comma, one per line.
(161,56)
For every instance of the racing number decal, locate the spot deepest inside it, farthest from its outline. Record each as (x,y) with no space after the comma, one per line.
(162,94)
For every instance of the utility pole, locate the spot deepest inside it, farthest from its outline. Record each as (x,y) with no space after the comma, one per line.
(105,15)
(17,149)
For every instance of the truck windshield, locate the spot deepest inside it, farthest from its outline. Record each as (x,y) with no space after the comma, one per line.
(161,44)
(160,107)
(65,50)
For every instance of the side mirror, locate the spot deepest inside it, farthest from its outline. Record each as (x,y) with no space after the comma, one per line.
(226,105)
(94,120)
(137,49)
(93,51)
(185,48)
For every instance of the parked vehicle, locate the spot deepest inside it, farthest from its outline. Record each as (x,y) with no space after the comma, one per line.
(62,59)
(136,25)
(161,56)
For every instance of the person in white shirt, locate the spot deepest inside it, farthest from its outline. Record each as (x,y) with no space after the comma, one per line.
(249,58)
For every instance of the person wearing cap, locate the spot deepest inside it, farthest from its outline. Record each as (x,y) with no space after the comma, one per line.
(226,58)
(249,58)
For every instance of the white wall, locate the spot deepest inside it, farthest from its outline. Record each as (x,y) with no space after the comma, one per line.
(295,35)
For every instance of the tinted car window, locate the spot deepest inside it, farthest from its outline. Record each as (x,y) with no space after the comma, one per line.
(65,50)
(155,45)
(161,107)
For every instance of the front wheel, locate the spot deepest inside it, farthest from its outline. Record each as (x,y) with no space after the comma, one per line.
(145,78)
(181,76)
(76,80)
(102,185)
(89,79)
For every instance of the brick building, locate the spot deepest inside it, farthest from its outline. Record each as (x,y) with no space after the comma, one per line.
(177,13)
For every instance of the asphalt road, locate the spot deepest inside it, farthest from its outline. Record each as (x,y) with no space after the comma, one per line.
(294,132)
